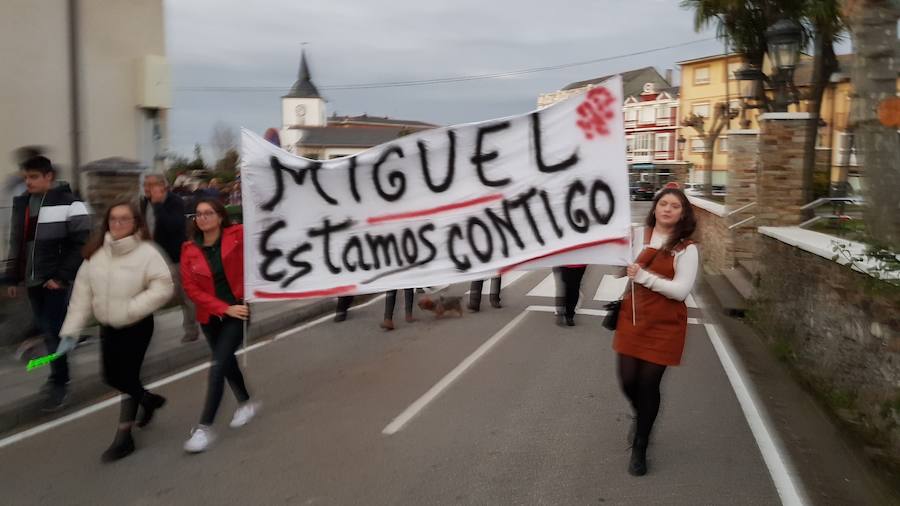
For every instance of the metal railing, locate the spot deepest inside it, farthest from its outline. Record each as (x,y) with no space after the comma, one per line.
(837,210)
(740,210)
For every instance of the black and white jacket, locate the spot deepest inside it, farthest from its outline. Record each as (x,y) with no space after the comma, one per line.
(61,229)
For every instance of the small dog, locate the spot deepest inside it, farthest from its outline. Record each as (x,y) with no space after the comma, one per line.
(442,305)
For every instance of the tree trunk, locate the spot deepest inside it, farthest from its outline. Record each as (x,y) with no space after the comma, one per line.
(824,64)
(709,146)
(874,27)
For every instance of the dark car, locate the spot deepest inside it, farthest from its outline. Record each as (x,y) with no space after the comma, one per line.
(643,191)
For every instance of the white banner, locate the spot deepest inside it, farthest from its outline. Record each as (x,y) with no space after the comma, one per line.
(440,206)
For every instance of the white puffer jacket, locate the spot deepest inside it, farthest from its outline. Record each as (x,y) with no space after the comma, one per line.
(122,283)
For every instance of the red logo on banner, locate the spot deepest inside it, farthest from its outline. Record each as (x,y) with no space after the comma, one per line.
(595,112)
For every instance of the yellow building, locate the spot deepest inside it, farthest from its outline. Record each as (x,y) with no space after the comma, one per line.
(708,81)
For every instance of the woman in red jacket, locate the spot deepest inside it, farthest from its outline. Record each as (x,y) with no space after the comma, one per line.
(212,270)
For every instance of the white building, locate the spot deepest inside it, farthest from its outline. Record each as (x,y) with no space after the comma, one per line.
(308,131)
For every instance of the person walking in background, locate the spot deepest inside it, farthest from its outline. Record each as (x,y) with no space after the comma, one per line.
(475,290)
(49,226)
(652,337)
(123,280)
(390,302)
(569,279)
(164,214)
(343,305)
(212,273)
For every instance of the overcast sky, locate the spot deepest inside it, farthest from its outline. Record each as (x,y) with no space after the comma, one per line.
(257,44)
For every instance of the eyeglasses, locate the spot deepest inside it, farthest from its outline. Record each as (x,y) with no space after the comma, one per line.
(120,221)
(206,215)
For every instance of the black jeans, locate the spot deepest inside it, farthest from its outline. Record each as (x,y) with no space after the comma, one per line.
(571,283)
(123,353)
(390,302)
(343,304)
(49,310)
(224,337)
(475,292)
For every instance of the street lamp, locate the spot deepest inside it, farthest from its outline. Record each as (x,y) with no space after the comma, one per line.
(681,141)
(784,38)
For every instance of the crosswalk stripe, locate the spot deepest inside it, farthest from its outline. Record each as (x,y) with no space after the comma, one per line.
(546,288)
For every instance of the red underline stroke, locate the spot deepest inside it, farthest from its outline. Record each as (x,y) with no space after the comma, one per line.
(325,292)
(434,210)
(620,240)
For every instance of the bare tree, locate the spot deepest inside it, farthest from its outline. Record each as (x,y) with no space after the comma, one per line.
(224,138)
(721,114)
(873,24)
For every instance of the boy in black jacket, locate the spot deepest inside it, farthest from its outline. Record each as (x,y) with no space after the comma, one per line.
(48,229)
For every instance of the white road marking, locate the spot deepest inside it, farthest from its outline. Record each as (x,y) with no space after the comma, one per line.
(81,413)
(422,402)
(773,453)
(611,287)
(591,312)
(546,288)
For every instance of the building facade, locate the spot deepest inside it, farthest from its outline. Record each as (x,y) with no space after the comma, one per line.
(306,130)
(85,79)
(652,111)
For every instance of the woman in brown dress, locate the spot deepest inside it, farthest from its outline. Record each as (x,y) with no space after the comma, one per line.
(663,276)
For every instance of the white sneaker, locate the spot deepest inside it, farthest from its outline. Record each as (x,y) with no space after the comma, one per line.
(244,414)
(201,437)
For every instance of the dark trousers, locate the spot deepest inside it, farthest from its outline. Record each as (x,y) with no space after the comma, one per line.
(49,310)
(390,302)
(475,292)
(123,353)
(567,297)
(224,337)
(343,304)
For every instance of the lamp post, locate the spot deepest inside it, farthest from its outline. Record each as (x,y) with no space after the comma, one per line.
(783,48)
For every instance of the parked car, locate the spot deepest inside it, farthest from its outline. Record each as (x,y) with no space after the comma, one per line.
(718,190)
(643,191)
(693,188)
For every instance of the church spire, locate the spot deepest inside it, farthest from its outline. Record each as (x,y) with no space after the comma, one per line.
(303,87)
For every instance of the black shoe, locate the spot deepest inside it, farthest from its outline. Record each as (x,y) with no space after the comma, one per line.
(637,466)
(473,308)
(122,446)
(56,398)
(570,321)
(150,403)
(495,302)
(339,317)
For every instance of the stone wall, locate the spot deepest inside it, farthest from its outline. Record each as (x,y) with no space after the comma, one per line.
(743,182)
(714,239)
(840,329)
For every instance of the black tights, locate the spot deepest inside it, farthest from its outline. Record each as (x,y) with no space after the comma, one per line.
(640,381)
(390,302)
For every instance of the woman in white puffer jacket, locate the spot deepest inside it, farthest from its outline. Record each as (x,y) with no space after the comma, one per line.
(122,281)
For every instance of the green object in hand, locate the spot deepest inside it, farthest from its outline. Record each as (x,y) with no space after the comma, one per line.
(41,361)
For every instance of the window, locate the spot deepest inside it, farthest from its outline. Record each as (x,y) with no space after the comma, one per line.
(630,117)
(732,68)
(701,75)
(642,143)
(648,115)
(663,115)
(697,145)
(723,144)
(701,110)
(629,144)
(735,105)
(662,142)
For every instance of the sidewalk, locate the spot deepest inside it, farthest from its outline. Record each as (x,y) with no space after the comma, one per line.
(20,397)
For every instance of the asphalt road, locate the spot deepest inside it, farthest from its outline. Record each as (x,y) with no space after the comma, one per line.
(536,419)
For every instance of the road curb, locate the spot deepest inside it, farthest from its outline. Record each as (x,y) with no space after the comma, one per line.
(90,388)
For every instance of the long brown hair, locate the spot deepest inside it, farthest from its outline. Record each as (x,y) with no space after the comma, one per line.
(218,207)
(140,227)
(685,227)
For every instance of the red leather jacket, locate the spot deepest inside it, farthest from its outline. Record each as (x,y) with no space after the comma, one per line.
(197,278)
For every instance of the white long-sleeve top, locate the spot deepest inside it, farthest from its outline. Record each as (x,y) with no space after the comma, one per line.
(687,263)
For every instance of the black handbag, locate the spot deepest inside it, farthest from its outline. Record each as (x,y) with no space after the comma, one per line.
(612,314)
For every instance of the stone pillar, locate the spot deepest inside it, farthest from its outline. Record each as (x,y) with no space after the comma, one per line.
(110,179)
(780,175)
(743,156)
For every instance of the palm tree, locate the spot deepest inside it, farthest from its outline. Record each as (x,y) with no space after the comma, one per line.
(743,23)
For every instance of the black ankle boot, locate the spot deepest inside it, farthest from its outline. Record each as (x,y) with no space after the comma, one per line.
(122,446)
(150,403)
(637,466)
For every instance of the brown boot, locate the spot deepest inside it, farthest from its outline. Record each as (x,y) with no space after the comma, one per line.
(387,324)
